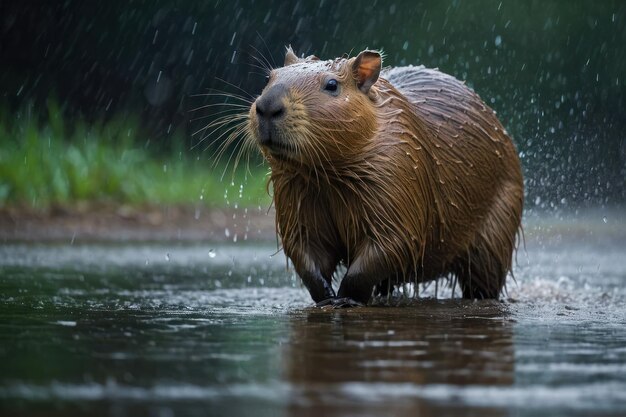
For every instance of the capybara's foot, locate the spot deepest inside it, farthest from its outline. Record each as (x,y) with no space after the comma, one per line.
(336,302)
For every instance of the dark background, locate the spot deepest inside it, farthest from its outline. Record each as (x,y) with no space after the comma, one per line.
(555,71)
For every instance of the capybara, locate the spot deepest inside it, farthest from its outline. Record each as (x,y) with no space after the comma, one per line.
(401,174)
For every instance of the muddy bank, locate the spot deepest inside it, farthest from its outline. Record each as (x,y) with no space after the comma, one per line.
(107,222)
(115,223)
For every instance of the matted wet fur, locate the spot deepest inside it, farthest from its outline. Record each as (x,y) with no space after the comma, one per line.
(402,175)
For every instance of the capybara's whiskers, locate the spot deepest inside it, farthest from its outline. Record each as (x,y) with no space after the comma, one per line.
(245,100)
(246,94)
(221,112)
(264,63)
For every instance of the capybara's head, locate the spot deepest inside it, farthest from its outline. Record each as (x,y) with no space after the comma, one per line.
(316,112)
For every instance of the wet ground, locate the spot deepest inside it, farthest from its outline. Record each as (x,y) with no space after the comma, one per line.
(167,329)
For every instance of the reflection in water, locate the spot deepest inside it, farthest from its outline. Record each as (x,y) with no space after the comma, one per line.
(360,359)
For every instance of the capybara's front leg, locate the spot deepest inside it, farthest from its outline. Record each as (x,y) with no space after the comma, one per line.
(364,273)
(319,287)
(316,271)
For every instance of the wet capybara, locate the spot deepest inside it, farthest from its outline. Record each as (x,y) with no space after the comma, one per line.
(401,174)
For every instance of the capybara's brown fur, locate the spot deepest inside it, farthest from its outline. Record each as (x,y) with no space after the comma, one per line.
(402,175)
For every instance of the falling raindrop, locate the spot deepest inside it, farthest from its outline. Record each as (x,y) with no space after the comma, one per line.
(212,253)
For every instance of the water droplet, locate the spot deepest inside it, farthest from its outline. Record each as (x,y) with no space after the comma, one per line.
(167,257)
(498,40)
(227,232)
(605,220)
(212,253)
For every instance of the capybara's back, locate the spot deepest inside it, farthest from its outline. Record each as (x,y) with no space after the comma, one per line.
(478,177)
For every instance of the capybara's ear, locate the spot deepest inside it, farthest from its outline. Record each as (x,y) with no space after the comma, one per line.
(290,56)
(366,68)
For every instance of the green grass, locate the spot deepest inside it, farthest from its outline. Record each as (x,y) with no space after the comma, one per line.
(43,163)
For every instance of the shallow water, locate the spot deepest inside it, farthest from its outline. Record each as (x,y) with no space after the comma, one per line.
(164,330)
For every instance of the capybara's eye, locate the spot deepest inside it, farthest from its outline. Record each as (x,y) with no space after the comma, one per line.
(331,85)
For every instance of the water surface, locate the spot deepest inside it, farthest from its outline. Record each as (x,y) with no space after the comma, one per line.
(204,329)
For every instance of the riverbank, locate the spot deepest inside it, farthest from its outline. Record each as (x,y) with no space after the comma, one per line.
(121,223)
(126,223)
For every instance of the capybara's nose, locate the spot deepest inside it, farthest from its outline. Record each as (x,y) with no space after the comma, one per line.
(270,105)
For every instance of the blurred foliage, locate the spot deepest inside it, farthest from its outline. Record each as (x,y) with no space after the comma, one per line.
(553,70)
(54,163)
